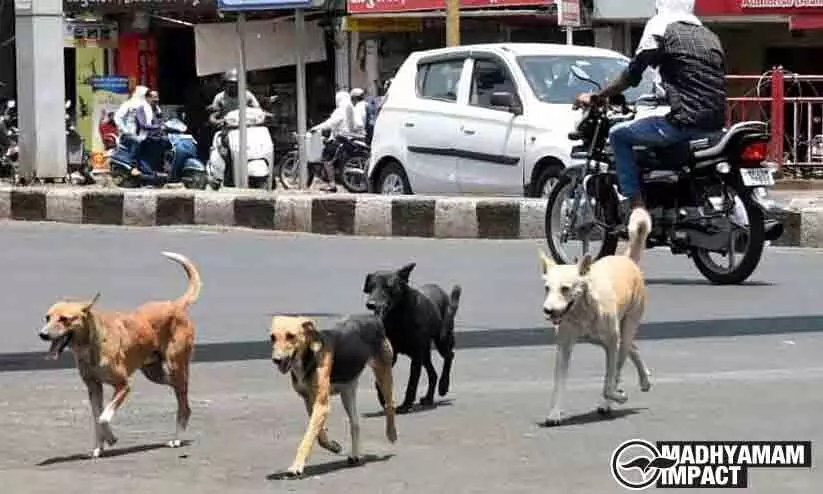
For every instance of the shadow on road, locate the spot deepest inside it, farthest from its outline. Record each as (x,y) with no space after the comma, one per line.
(593,417)
(417,408)
(333,466)
(697,282)
(108,453)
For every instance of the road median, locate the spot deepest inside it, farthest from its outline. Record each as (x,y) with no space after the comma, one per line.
(331,214)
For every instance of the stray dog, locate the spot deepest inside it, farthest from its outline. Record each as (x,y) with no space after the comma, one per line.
(600,303)
(413,320)
(329,362)
(108,347)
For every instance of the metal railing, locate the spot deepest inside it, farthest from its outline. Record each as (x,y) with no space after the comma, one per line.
(793,106)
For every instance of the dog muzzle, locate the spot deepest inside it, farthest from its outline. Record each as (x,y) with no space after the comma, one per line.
(557,316)
(283,364)
(58,343)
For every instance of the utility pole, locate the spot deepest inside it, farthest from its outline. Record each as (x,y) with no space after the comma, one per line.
(452,22)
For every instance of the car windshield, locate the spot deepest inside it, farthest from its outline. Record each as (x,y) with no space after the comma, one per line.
(552,80)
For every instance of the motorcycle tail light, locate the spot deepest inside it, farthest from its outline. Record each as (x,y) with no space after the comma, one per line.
(755,151)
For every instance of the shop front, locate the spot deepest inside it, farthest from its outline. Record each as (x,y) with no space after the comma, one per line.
(387,31)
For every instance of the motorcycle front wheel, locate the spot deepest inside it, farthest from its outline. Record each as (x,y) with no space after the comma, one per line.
(353,174)
(288,170)
(569,245)
(195,180)
(746,243)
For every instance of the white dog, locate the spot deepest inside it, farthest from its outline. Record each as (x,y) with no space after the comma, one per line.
(600,303)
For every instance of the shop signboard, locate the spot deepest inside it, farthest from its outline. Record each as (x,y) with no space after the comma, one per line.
(384,6)
(755,7)
(257,5)
(382,24)
(568,13)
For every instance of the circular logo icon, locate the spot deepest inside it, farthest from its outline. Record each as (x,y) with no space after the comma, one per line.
(634,464)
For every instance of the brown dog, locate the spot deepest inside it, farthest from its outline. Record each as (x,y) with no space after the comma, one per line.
(157,338)
(326,363)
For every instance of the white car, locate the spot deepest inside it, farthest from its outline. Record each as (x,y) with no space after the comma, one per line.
(488,119)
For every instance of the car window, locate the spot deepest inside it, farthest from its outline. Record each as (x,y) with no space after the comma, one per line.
(552,80)
(489,76)
(439,80)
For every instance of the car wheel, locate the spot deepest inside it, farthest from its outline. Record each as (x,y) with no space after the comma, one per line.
(545,182)
(392,180)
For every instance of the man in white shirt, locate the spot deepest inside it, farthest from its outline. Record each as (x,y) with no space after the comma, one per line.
(358,99)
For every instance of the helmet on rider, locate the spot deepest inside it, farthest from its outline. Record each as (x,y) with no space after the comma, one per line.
(357,94)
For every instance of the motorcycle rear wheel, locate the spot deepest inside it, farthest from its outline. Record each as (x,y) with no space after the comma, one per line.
(353,175)
(194,180)
(288,170)
(755,241)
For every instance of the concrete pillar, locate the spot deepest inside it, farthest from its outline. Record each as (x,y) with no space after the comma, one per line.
(41,92)
(341,59)
(372,66)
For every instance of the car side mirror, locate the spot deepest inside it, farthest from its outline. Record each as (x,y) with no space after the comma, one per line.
(507,100)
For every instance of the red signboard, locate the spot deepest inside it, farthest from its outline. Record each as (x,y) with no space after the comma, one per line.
(137,59)
(710,8)
(383,6)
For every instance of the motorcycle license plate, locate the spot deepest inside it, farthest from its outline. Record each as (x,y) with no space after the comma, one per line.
(757,177)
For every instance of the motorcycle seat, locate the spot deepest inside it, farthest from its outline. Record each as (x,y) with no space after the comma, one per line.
(716,147)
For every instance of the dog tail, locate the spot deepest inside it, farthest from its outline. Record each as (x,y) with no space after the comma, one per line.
(640,224)
(451,311)
(193,290)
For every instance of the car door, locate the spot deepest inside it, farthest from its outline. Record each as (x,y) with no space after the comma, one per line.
(430,125)
(491,140)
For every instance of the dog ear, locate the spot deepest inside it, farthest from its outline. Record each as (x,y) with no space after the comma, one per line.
(585,265)
(546,261)
(91,303)
(312,335)
(368,286)
(405,271)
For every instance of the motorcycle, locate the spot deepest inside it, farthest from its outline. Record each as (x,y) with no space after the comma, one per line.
(171,155)
(350,160)
(706,197)
(9,151)
(259,149)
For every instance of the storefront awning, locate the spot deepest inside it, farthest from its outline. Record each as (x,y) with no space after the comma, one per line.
(74,6)
(257,5)
(711,8)
(357,7)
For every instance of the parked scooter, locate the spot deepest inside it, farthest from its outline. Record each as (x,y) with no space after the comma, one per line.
(259,148)
(77,157)
(9,152)
(350,160)
(171,155)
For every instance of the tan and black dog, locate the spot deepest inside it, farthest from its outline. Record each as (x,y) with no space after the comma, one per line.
(323,363)
(108,347)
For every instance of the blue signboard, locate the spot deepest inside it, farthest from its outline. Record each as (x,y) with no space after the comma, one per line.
(111,83)
(257,5)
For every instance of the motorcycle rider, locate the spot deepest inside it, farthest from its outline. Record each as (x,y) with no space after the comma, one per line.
(224,102)
(341,121)
(692,65)
(135,120)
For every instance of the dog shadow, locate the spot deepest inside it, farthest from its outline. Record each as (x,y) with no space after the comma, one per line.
(592,417)
(108,453)
(696,282)
(416,408)
(330,467)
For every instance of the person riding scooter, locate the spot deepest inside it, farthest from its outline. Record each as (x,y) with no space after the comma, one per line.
(136,122)
(341,121)
(224,102)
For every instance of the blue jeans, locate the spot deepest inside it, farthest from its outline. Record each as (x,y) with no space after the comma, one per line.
(648,131)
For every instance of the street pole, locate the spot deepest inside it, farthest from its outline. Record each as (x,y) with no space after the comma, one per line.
(241,174)
(569,35)
(300,65)
(452,22)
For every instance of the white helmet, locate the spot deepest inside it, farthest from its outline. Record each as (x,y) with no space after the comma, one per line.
(357,93)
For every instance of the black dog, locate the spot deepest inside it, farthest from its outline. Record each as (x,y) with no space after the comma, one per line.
(414,319)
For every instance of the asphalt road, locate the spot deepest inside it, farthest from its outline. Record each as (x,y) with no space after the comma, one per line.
(728,363)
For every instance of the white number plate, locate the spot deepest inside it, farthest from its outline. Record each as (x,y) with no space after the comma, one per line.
(757,177)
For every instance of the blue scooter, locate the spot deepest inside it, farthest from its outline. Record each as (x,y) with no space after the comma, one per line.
(167,157)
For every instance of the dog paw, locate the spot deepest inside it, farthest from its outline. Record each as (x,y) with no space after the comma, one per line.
(617,396)
(333,446)
(354,460)
(555,417)
(427,402)
(443,387)
(96,452)
(403,408)
(645,384)
(391,434)
(174,443)
(294,472)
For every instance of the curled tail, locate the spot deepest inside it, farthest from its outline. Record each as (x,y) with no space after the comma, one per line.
(640,224)
(451,312)
(193,290)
